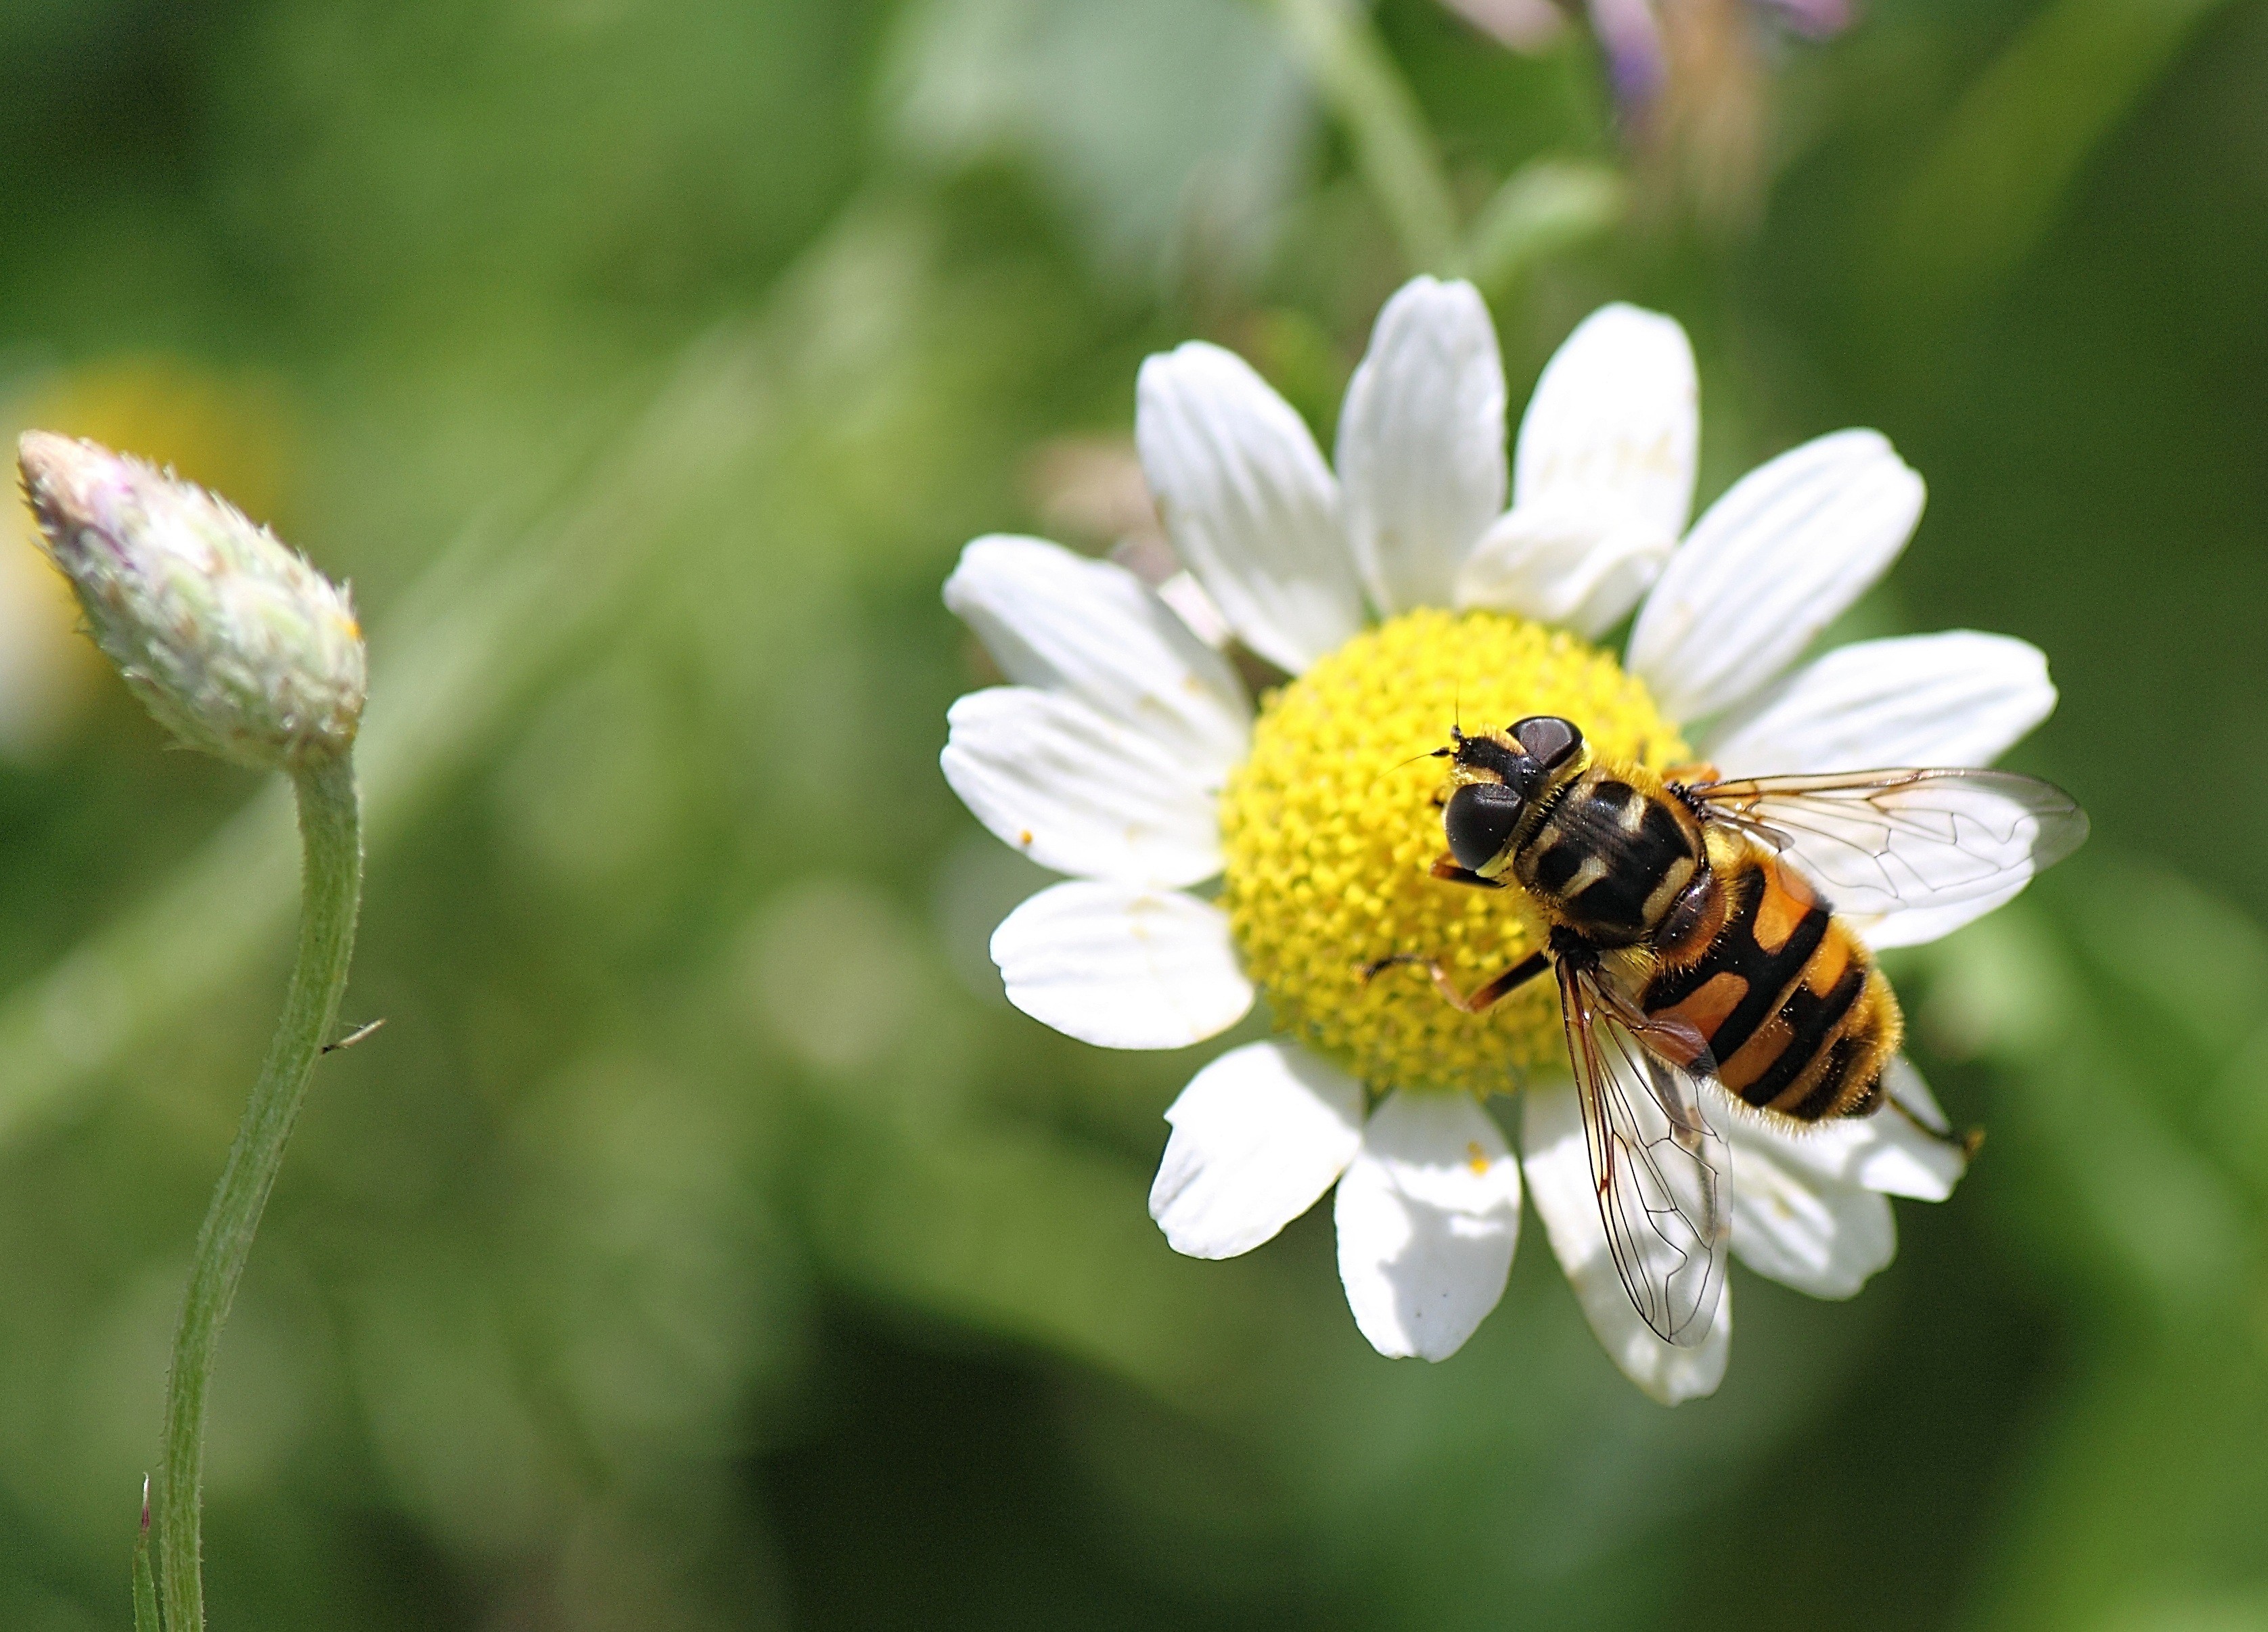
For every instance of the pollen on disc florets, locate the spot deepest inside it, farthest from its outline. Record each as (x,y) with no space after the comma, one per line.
(1329,828)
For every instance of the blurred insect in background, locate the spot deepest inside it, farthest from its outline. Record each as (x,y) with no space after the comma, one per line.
(1709,932)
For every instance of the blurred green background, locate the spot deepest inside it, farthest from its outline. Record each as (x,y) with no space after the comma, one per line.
(704,1243)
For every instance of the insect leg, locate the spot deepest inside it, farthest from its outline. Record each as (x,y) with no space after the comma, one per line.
(1526,970)
(1968,1143)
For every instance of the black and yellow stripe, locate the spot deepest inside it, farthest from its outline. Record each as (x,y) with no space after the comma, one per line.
(1796,1015)
(1716,934)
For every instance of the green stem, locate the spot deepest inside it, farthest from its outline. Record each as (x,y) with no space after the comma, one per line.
(1393,148)
(330,833)
(1548,206)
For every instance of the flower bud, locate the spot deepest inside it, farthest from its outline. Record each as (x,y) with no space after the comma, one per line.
(237,644)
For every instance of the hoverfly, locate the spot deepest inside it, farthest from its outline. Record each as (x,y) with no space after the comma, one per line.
(1707,933)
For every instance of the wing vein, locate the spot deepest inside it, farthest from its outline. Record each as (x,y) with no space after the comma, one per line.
(1662,1177)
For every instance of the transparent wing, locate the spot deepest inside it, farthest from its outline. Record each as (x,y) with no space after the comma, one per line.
(1664,1178)
(1887,841)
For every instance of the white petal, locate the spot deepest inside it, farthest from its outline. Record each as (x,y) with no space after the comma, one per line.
(1421,443)
(1258,1134)
(1428,1215)
(1190,604)
(1812,1234)
(1079,792)
(1905,1084)
(1958,698)
(1090,628)
(1772,564)
(1884,1151)
(1121,967)
(1247,499)
(1616,414)
(1560,1181)
(1580,561)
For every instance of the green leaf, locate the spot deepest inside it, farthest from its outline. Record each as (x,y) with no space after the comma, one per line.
(2019,137)
(1545,209)
(1150,122)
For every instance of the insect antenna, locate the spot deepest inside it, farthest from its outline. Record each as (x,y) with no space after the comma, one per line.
(1456,735)
(1430,753)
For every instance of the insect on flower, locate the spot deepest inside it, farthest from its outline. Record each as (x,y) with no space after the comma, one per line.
(1420,576)
(1690,946)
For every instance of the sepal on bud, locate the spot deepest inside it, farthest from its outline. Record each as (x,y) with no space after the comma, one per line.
(237,644)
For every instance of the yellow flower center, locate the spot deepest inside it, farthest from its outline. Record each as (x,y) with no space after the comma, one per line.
(1331,829)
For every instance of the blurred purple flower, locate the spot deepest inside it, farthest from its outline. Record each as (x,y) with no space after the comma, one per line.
(1637,58)
(1633,34)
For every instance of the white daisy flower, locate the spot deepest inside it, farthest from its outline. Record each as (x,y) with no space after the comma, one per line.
(1127,754)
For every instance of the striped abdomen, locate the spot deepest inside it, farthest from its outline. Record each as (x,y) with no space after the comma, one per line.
(1798,1017)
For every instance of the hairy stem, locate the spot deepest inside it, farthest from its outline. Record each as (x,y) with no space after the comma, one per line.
(330,834)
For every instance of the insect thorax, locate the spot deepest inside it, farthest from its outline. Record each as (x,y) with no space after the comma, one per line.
(1611,855)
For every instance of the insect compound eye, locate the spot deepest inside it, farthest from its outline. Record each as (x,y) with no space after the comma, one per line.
(1479,819)
(1548,738)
